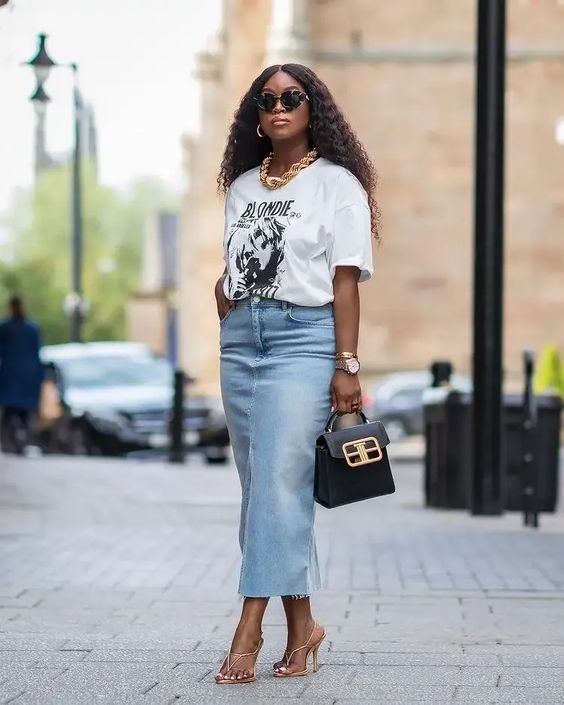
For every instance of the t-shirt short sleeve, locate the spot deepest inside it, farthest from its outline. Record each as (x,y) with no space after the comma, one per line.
(350,241)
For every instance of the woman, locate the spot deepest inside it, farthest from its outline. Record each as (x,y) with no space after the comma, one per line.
(298,221)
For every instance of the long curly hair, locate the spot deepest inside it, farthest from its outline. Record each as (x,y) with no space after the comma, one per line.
(329,131)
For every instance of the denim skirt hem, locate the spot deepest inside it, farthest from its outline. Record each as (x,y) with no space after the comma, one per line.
(276,365)
(281,593)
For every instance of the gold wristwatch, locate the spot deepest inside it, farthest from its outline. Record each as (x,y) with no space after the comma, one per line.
(350,365)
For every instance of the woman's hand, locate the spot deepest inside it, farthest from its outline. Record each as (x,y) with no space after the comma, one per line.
(345,391)
(224,305)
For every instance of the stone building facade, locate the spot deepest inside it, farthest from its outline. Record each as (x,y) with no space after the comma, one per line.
(404,75)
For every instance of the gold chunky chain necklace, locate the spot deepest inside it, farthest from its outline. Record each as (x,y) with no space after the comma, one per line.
(273,182)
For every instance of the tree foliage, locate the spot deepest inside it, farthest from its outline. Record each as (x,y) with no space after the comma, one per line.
(113,227)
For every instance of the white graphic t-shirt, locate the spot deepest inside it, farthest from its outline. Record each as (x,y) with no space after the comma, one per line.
(285,243)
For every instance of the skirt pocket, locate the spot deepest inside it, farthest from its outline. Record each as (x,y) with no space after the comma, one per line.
(312,315)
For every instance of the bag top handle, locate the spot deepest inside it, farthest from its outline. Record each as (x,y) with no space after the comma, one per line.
(334,414)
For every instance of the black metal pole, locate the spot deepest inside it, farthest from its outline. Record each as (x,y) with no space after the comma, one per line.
(177,450)
(488,259)
(76,230)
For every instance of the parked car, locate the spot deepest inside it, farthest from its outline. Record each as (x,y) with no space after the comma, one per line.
(397,401)
(117,398)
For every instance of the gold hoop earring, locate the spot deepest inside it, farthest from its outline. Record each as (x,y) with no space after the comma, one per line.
(259,133)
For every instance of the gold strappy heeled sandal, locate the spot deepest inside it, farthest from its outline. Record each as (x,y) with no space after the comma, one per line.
(311,648)
(248,679)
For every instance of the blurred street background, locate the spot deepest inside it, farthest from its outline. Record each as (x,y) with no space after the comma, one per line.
(118,493)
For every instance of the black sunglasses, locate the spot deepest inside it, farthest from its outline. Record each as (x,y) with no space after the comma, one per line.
(290,100)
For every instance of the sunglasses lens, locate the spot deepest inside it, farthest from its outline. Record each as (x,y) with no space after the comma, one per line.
(291,99)
(266,101)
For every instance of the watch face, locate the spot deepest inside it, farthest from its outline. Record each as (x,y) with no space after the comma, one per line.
(353,365)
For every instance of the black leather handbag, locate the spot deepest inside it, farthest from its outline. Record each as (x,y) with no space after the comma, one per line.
(352,463)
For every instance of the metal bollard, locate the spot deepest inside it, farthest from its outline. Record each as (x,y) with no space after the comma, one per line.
(176,425)
(529,467)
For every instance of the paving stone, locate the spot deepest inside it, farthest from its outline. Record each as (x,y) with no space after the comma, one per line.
(249,699)
(115,588)
(427,675)
(104,683)
(532,677)
(41,658)
(155,640)
(387,698)
(529,656)
(466,695)
(375,692)
(429,659)
(31,641)
(17,679)
(133,655)
(341,658)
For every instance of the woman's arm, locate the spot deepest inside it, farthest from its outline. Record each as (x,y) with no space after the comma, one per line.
(346,306)
(345,388)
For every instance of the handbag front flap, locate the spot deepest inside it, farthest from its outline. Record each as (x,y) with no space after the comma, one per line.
(335,440)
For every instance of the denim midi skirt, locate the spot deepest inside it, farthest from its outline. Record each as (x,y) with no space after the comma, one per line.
(277,360)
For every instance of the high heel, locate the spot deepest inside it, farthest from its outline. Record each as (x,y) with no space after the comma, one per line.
(311,649)
(248,679)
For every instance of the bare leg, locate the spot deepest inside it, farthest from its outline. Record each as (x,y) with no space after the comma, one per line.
(300,625)
(246,639)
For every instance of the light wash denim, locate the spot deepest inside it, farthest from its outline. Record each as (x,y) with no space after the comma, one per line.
(277,360)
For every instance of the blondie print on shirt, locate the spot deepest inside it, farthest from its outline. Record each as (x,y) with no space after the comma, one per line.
(255,244)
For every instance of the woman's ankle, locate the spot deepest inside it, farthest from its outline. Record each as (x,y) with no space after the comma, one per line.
(251,627)
(304,624)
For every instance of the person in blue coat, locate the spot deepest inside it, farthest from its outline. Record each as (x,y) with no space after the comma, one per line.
(21,374)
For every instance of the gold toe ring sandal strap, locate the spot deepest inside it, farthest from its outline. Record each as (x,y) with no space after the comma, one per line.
(234,653)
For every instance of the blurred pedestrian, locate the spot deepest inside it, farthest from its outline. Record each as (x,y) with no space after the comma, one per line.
(299,218)
(21,374)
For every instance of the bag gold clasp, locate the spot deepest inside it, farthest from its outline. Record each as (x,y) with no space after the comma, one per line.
(362,451)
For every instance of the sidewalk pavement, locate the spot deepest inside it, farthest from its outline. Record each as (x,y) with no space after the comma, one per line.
(118,585)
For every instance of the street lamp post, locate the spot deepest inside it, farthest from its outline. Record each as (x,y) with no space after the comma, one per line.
(487,480)
(76,248)
(74,304)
